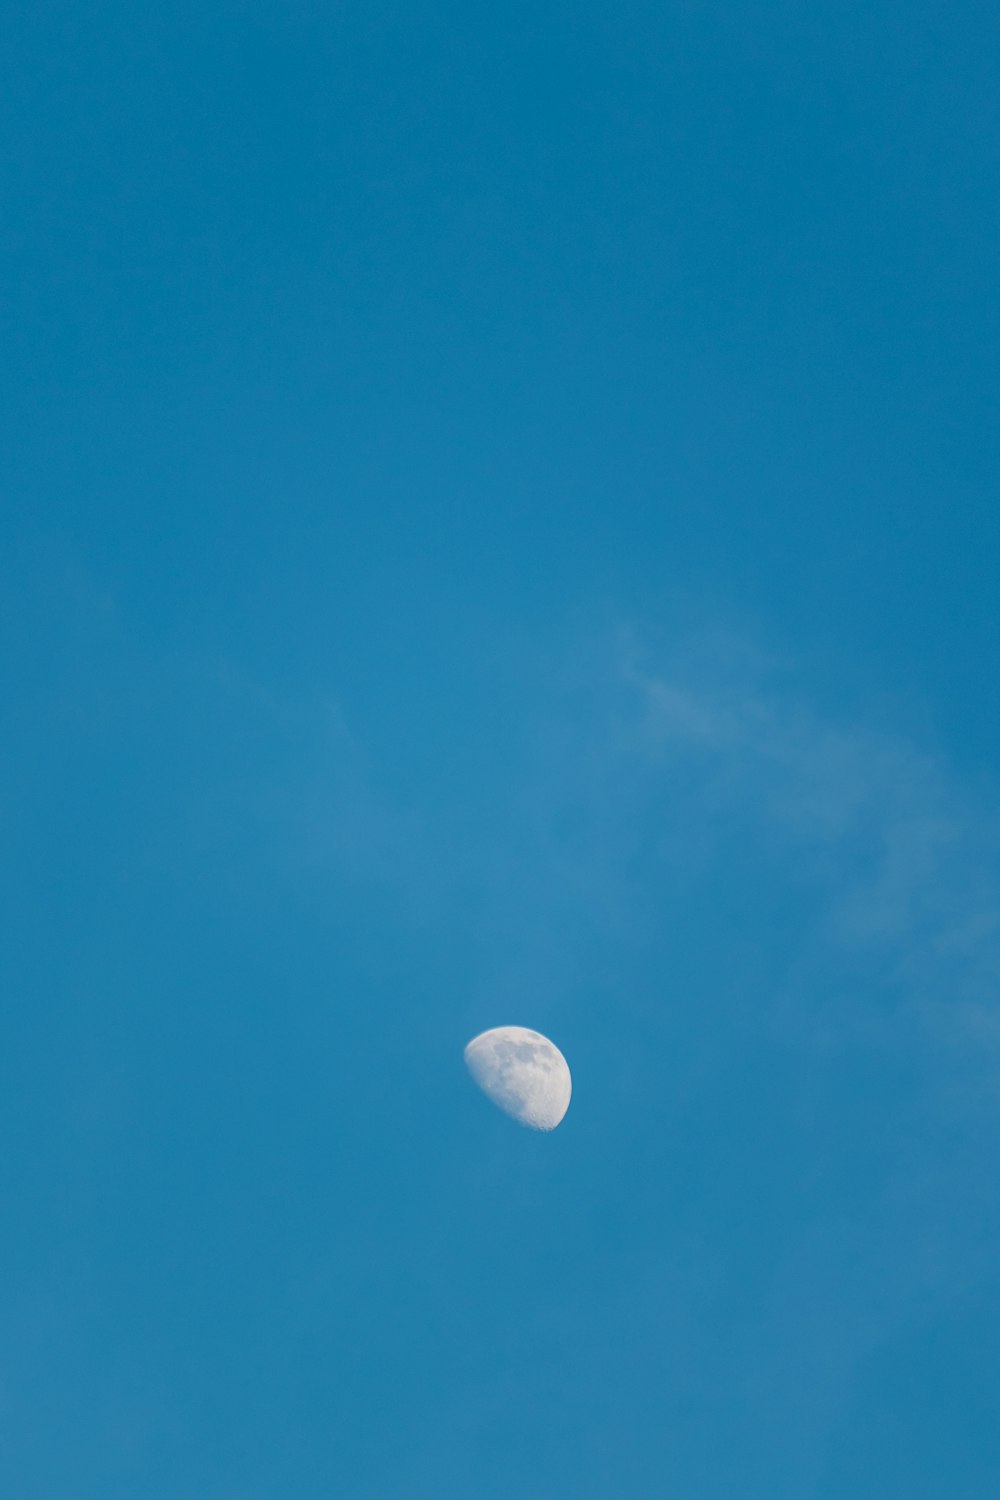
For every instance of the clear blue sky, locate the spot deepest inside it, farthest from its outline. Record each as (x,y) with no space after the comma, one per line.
(499,526)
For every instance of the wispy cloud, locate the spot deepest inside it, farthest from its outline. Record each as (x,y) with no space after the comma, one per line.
(905,860)
(634,769)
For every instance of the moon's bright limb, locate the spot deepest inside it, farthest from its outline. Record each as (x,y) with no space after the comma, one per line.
(522,1072)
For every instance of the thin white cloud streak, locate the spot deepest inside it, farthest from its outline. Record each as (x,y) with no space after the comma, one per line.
(907,862)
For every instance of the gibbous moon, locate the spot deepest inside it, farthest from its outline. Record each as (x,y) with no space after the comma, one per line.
(523,1073)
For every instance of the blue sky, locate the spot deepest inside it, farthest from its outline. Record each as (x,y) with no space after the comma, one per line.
(499,527)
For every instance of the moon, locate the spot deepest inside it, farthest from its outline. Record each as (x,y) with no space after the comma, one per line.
(523,1073)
